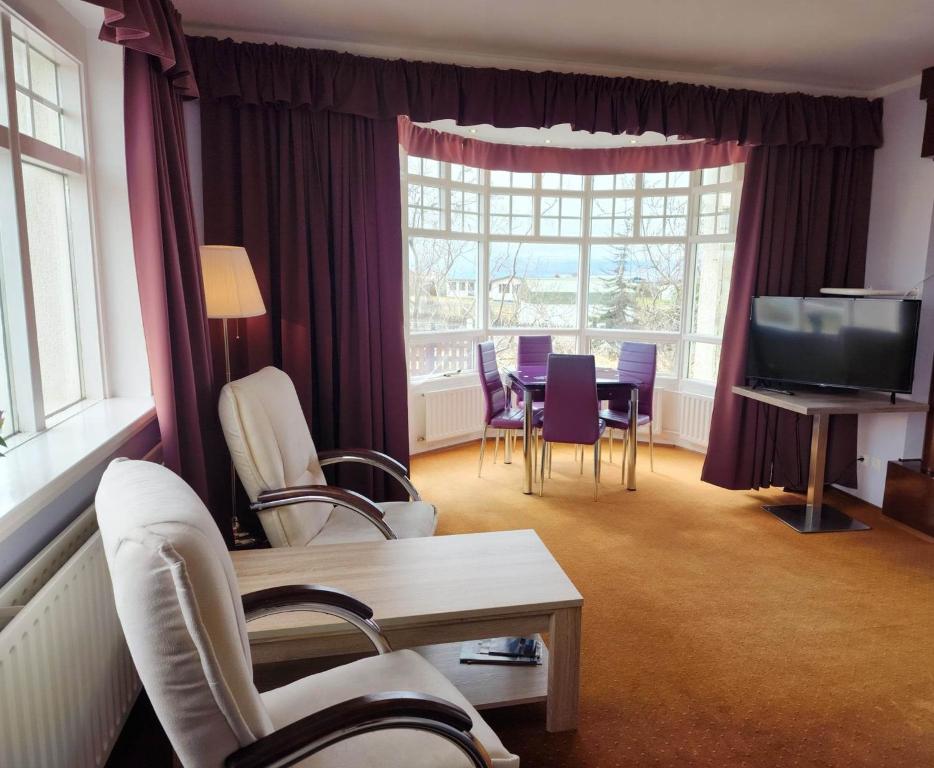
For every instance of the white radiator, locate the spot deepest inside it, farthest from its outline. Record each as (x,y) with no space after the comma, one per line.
(696,411)
(453,412)
(67,681)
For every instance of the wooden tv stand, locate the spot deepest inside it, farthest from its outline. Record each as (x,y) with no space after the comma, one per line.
(814,516)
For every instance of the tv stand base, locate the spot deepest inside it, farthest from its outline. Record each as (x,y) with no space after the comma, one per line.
(805,519)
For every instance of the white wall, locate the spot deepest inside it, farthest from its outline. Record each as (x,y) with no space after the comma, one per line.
(900,254)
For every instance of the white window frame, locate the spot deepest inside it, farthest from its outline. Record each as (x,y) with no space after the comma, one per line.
(581,332)
(24,370)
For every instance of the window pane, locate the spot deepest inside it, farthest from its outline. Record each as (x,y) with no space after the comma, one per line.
(423,167)
(606,354)
(678,179)
(43,77)
(611,182)
(560,217)
(465,174)
(611,217)
(506,348)
(566,181)
(533,285)
(20,68)
(465,211)
(713,216)
(442,284)
(509,179)
(53,286)
(425,211)
(511,214)
(664,215)
(712,271)
(721,175)
(703,361)
(24,113)
(47,124)
(672,180)
(636,286)
(438,357)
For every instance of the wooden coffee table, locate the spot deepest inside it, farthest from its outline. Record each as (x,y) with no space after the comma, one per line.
(430,594)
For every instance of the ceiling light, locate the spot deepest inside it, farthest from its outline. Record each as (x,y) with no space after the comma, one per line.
(633,141)
(473,130)
(548,141)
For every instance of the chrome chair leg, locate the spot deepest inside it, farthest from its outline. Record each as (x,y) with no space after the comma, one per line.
(541,479)
(625,461)
(582,460)
(610,430)
(596,467)
(496,445)
(482,446)
(548,447)
(652,446)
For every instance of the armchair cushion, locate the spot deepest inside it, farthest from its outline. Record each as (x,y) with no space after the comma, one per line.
(402,670)
(408,519)
(271,446)
(179,605)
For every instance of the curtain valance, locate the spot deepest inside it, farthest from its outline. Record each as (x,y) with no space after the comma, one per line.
(426,142)
(153,27)
(257,73)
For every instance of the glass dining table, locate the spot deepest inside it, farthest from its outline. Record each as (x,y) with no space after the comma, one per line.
(611,385)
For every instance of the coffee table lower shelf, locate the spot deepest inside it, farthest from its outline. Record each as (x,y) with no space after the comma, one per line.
(488,686)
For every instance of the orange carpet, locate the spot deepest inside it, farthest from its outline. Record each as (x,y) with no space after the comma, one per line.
(713,634)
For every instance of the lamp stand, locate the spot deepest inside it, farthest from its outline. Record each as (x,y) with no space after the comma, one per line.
(241,539)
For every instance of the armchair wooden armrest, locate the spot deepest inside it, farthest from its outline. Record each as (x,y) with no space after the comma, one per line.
(371,458)
(364,714)
(340,497)
(312,597)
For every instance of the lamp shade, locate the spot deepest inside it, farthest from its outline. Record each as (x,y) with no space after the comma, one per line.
(230,288)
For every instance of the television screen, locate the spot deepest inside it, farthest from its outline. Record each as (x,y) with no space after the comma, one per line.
(857,343)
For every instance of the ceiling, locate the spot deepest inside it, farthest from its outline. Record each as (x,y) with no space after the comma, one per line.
(557,136)
(818,45)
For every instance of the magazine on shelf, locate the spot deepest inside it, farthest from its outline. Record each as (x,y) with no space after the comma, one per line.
(511,651)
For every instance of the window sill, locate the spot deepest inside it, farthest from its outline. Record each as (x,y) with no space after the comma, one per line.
(443,381)
(41,468)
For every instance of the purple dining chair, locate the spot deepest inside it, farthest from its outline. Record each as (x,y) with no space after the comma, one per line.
(639,360)
(499,414)
(531,352)
(571,410)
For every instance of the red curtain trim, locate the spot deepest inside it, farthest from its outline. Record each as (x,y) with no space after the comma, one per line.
(153,27)
(286,77)
(438,145)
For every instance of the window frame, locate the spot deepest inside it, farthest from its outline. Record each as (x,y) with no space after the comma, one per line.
(583,333)
(17,297)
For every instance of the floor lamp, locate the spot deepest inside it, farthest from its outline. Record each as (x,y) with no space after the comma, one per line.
(230,293)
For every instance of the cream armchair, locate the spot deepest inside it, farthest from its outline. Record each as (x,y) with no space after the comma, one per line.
(185,624)
(280,469)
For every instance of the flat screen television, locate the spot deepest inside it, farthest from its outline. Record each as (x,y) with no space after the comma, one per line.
(852,343)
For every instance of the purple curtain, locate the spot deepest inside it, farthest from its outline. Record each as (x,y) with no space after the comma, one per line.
(276,75)
(314,198)
(803,223)
(157,76)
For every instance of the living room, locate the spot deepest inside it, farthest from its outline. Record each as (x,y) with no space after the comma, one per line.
(442,385)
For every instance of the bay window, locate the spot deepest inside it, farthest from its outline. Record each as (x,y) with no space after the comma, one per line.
(591,260)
